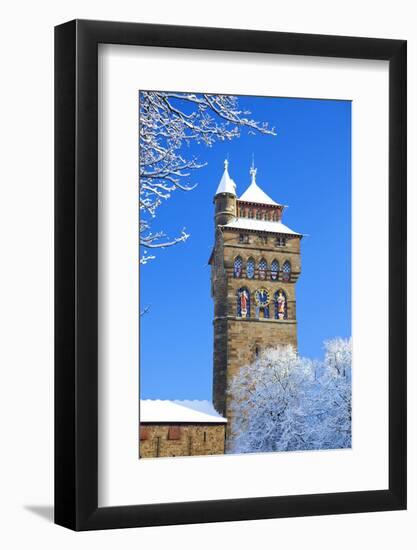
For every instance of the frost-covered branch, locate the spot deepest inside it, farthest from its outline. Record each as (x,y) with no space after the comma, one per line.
(168,123)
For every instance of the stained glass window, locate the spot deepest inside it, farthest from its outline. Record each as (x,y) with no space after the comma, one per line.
(243,303)
(250,268)
(286,271)
(274,270)
(263,266)
(237,267)
(280,303)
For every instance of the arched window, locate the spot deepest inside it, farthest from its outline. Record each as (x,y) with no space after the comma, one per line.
(243,303)
(275,217)
(237,267)
(250,268)
(281,305)
(263,266)
(258,215)
(274,270)
(267,216)
(250,213)
(286,271)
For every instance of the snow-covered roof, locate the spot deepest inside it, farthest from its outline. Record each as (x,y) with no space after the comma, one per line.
(226,185)
(193,411)
(255,194)
(260,225)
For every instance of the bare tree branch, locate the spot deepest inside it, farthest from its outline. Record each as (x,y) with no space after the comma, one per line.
(169,121)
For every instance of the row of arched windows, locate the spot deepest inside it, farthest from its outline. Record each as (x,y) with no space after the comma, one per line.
(262,267)
(279,305)
(258,214)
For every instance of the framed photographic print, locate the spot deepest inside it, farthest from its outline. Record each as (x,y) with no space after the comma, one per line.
(230,275)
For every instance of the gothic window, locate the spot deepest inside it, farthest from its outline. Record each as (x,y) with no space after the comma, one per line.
(250,213)
(237,267)
(267,216)
(275,217)
(242,212)
(250,268)
(286,271)
(243,303)
(263,266)
(274,270)
(258,215)
(281,306)
(243,239)
(263,239)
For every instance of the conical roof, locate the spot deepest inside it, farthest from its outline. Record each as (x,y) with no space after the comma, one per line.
(254,193)
(226,185)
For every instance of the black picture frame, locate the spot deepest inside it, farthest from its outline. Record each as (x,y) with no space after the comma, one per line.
(76,272)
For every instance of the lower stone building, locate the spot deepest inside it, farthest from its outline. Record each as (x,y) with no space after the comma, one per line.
(180,428)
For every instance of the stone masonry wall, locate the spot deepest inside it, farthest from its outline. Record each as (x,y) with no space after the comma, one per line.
(236,340)
(195,440)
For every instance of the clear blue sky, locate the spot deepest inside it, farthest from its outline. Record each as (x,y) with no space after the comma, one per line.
(306,166)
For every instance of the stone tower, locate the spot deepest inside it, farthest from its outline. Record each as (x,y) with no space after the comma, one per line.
(255,264)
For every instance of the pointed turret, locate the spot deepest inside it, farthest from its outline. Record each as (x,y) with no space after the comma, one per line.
(225,198)
(226,185)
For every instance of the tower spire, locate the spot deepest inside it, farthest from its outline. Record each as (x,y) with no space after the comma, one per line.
(253,170)
(226,185)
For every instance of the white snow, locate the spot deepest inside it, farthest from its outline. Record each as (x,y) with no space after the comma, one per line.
(261,225)
(255,194)
(163,410)
(226,185)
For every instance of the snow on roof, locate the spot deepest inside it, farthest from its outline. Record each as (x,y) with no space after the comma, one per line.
(260,225)
(255,194)
(193,411)
(226,185)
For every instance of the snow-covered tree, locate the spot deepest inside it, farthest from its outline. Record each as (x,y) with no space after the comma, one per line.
(284,402)
(168,123)
(336,391)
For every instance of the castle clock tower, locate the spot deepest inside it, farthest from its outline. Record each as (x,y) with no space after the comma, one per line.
(255,264)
